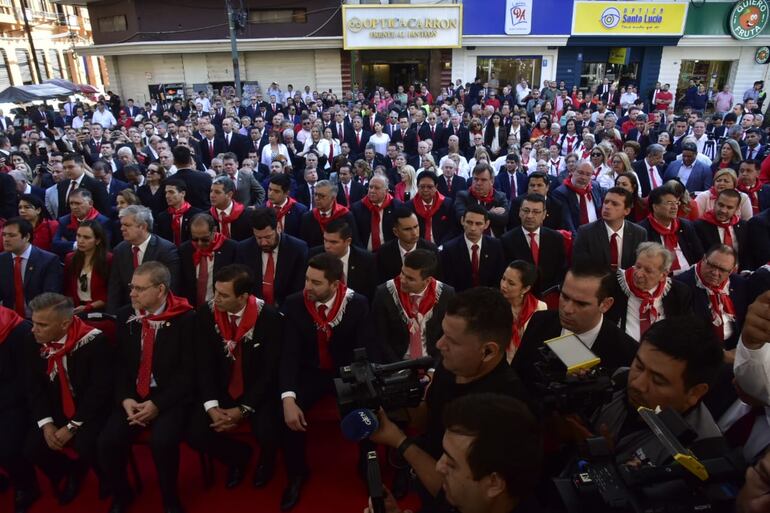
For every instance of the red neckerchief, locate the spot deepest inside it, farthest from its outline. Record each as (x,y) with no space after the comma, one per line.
(249,319)
(323,327)
(752,194)
(527,309)
(208,251)
(337,212)
(9,319)
(225,221)
(484,200)
(376,218)
(427,213)
(281,213)
(668,235)
(719,297)
(427,302)
(585,191)
(570,142)
(711,218)
(54,353)
(713,193)
(647,310)
(74,223)
(176,221)
(586,154)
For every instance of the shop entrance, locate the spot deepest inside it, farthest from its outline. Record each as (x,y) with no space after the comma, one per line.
(595,72)
(393,68)
(500,71)
(712,74)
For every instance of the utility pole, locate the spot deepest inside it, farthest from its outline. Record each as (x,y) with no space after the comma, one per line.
(28,30)
(231,22)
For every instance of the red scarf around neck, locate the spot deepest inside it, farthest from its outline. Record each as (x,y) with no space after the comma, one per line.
(647,310)
(208,251)
(322,323)
(669,236)
(376,218)
(225,221)
(528,307)
(719,299)
(585,191)
(248,320)
(752,193)
(176,221)
(711,218)
(427,213)
(337,212)
(484,200)
(74,223)
(713,193)
(281,213)
(427,302)
(9,319)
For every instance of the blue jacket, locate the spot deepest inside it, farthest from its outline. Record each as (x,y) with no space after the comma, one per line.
(700,178)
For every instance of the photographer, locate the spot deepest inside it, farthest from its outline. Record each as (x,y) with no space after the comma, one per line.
(477,329)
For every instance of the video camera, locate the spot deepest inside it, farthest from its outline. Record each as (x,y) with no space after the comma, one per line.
(364,387)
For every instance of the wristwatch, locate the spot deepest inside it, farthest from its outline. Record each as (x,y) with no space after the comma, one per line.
(245,411)
(72,428)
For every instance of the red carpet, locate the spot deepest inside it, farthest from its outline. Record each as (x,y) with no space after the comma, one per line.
(333,487)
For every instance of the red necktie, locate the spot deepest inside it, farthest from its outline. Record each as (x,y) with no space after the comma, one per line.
(235,387)
(325,361)
(340,133)
(224,226)
(433,133)
(614,262)
(375,228)
(415,333)
(653,181)
(583,210)
(98,147)
(534,247)
(428,225)
(18,286)
(475,265)
(203,280)
(268,280)
(728,239)
(513,185)
(211,149)
(135,250)
(358,138)
(347,194)
(449,184)
(145,363)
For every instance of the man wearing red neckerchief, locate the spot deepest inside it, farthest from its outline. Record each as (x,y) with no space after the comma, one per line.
(722,225)
(154,380)
(81,204)
(325,211)
(288,210)
(231,216)
(324,323)
(374,214)
(580,196)
(748,182)
(70,392)
(435,212)
(481,191)
(238,350)
(173,224)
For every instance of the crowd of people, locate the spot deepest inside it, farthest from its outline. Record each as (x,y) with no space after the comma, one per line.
(274,234)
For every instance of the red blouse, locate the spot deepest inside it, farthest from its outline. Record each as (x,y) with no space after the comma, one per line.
(42,235)
(71,283)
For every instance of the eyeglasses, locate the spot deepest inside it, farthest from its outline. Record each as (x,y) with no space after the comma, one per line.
(715,267)
(527,212)
(132,287)
(596,154)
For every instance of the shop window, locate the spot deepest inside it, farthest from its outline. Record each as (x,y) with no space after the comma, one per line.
(593,73)
(277,15)
(501,71)
(712,74)
(112,23)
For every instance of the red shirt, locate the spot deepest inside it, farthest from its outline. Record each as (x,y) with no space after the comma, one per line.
(663,95)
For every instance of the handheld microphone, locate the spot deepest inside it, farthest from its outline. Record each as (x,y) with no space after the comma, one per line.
(359,424)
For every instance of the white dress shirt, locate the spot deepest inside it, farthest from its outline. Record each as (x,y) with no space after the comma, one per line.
(633,323)
(209,278)
(469,244)
(588,338)
(403,251)
(142,250)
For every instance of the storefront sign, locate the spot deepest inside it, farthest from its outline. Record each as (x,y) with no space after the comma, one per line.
(618,56)
(373,27)
(748,18)
(518,16)
(762,55)
(629,18)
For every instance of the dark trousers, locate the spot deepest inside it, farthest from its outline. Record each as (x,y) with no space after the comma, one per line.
(265,425)
(166,433)
(15,423)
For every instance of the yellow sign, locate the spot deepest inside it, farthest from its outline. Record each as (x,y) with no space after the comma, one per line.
(628,18)
(402,26)
(618,55)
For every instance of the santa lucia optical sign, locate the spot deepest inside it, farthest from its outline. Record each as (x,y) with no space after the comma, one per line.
(371,27)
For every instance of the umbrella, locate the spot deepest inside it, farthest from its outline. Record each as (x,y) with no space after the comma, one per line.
(31,93)
(72,86)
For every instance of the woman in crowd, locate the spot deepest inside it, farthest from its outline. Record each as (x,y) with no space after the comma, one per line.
(542,131)
(496,135)
(406,189)
(152,194)
(363,170)
(729,156)
(630,182)
(723,179)
(273,148)
(598,158)
(516,287)
(619,164)
(32,209)
(379,139)
(86,270)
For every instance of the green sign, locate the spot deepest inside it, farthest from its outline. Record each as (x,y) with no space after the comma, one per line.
(748,18)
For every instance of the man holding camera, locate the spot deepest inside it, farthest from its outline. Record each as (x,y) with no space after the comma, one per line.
(477,329)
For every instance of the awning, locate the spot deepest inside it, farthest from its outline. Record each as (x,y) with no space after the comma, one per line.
(72,86)
(31,93)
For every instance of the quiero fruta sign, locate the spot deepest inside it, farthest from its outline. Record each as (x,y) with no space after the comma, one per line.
(402,26)
(629,18)
(748,18)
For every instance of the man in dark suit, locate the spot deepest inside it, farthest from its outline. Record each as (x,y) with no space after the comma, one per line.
(139,245)
(211,146)
(483,193)
(370,116)
(511,180)
(723,225)
(81,209)
(324,323)
(248,191)
(537,244)
(173,224)
(152,391)
(611,240)
(288,211)
(676,234)
(27,271)
(650,170)
(538,183)
(8,196)
(374,214)
(350,191)
(69,401)
(232,217)
(240,383)
(198,183)
(202,257)
(358,139)
(234,142)
(341,127)
(698,175)
(406,135)
(586,296)
(407,311)
(326,210)
(473,259)
(644,294)
(103,173)
(450,183)
(434,211)
(75,178)
(390,257)
(42,117)
(580,198)
(358,265)
(277,259)
(719,293)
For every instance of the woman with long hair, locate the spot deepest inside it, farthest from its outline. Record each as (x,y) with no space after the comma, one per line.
(630,182)
(496,135)
(598,159)
(619,164)
(542,131)
(516,287)
(379,139)
(152,193)
(729,156)
(723,179)
(363,170)
(33,210)
(273,148)
(406,189)
(86,270)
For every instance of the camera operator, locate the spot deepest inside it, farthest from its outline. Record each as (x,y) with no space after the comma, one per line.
(492,456)
(677,360)
(477,329)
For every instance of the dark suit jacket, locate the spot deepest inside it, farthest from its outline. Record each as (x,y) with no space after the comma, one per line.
(43,273)
(409,140)
(198,186)
(13,350)
(239,144)
(240,229)
(302,194)
(709,236)
(357,193)
(759,239)
(362,270)
(503,183)
(678,301)
(220,146)
(739,294)
(389,261)
(189,286)
(554,216)
(552,263)
(115,187)
(363,223)
(90,375)
(158,249)
(643,172)
(497,222)
(310,230)
(570,205)
(458,184)
(592,243)
(293,219)
(173,360)
(443,223)
(97,190)
(260,357)
(289,269)
(689,242)
(456,259)
(163,224)
(8,200)
(356,148)
(299,359)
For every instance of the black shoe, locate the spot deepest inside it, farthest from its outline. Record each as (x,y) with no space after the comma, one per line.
(290,496)
(71,487)
(235,475)
(400,483)
(263,474)
(24,499)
